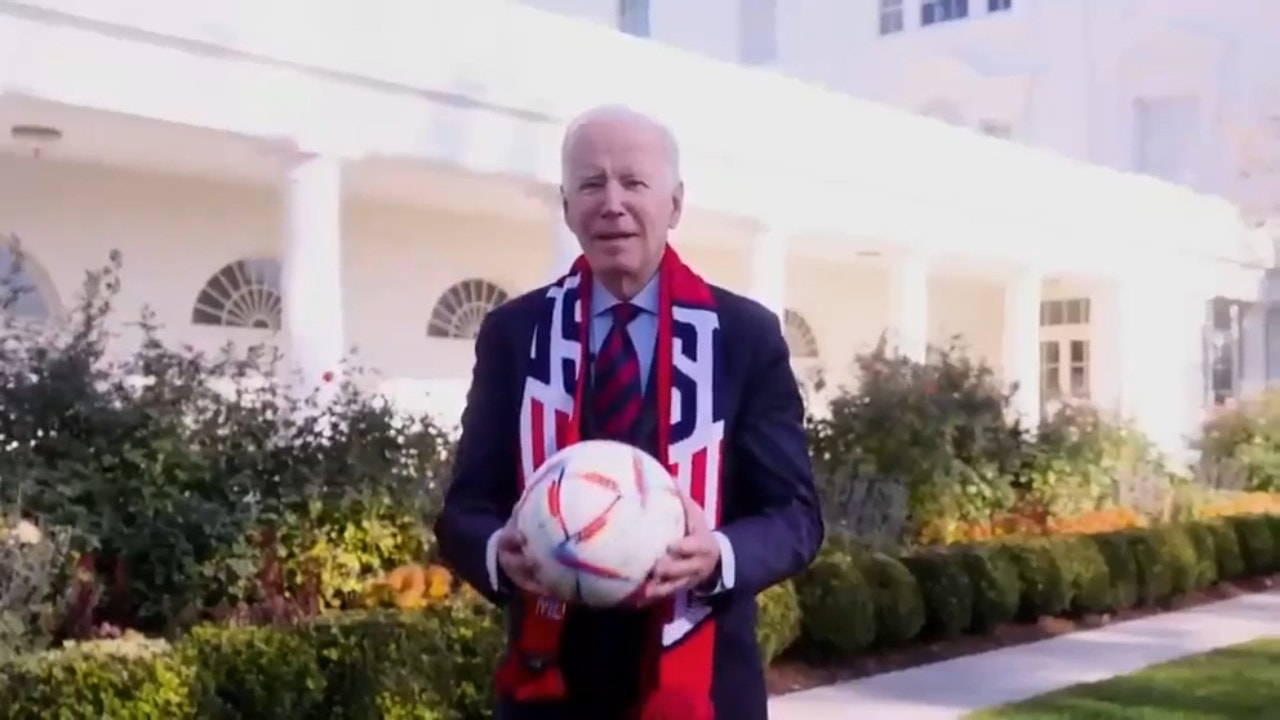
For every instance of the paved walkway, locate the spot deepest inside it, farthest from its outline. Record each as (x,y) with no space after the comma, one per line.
(951,689)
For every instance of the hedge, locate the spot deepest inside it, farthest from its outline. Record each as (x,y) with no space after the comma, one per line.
(437,663)
(851,601)
(432,664)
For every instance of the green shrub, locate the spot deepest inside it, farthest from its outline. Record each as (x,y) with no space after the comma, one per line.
(1256,550)
(996,588)
(1273,524)
(168,462)
(900,611)
(1206,554)
(837,606)
(777,620)
(1227,549)
(129,679)
(1087,574)
(946,589)
(1178,555)
(939,430)
(1121,566)
(1041,576)
(240,671)
(1154,581)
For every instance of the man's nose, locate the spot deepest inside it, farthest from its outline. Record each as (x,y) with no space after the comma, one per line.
(612,205)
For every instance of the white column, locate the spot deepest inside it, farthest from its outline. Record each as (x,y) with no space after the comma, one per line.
(769,271)
(311,274)
(565,248)
(1021,343)
(909,305)
(1153,350)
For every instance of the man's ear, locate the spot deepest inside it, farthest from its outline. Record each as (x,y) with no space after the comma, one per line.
(677,205)
(564,202)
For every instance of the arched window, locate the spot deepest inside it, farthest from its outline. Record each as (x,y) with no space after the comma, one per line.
(25,291)
(800,338)
(461,308)
(245,294)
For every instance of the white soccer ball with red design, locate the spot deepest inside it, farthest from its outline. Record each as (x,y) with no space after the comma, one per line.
(597,516)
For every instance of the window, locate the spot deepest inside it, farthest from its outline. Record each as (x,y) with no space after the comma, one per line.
(633,17)
(800,338)
(1050,371)
(243,294)
(1074,311)
(757,32)
(461,308)
(999,5)
(1226,340)
(1165,133)
(940,11)
(995,128)
(891,17)
(1064,369)
(1078,372)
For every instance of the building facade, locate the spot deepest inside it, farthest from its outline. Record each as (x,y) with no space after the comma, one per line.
(266,183)
(1184,91)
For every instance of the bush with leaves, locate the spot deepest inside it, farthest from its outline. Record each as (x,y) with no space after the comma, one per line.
(777,620)
(996,587)
(946,589)
(837,606)
(922,443)
(1226,548)
(1253,533)
(34,576)
(1087,575)
(1206,554)
(900,609)
(182,472)
(1155,578)
(1121,566)
(1044,582)
(1240,445)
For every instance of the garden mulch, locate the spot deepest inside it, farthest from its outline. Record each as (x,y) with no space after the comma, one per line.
(789,674)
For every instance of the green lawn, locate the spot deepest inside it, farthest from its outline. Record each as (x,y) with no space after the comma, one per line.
(1242,681)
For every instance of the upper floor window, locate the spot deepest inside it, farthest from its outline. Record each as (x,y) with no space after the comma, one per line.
(758,31)
(995,128)
(633,17)
(940,11)
(999,5)
(1165,133)
(891,17)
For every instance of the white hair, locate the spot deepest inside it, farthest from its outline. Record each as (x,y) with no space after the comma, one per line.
(621,112)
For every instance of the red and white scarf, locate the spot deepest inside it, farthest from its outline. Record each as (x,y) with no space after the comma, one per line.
(676,682)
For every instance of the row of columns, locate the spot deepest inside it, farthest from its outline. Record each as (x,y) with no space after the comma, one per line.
(908,303)
(1137,328)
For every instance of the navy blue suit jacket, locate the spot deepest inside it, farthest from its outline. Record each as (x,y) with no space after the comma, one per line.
(769,514)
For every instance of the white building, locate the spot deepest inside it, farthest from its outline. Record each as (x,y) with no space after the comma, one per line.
(1183,90)
(378,173)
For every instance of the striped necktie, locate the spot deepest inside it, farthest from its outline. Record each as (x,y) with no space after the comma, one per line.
(616,395)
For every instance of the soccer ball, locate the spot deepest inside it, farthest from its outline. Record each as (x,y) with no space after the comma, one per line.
(597,516)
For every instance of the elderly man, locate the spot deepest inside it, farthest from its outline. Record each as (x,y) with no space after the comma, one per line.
(736,444)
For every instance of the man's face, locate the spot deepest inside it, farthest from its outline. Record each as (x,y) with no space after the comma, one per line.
(620,196)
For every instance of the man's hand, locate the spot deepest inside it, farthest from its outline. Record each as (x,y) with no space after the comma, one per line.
(689,562)
(515,562)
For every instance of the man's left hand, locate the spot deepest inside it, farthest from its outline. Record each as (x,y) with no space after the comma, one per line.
(690,562)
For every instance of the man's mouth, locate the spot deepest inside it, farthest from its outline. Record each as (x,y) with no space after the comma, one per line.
(614,236)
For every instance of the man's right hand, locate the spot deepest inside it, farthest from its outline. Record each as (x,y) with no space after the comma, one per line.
(516,564)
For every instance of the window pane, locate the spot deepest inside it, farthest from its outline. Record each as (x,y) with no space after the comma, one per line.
(1079,351)
(1049,352)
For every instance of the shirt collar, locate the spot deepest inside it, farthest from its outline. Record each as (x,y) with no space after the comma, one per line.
(646,299)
